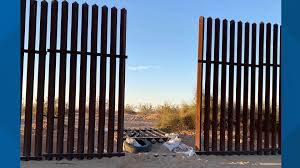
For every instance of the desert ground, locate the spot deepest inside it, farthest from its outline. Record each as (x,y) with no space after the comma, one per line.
(160,157)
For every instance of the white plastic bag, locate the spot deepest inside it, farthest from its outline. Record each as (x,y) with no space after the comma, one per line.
(173,142)
(185,149)
(175,145)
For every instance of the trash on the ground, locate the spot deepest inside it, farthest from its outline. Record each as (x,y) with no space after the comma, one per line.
(175,145)
(173,142)
(132,142)
(185,149)
(132,145)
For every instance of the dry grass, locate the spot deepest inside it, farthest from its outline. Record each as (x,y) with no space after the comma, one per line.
(169,117)
(177,118)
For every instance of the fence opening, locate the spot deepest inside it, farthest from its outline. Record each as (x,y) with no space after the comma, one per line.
(238,88)
(67,74)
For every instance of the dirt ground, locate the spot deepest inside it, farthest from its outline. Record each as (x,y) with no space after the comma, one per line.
(160,157)
(149,160)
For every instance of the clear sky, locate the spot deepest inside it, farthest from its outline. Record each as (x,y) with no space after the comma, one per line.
(162,42)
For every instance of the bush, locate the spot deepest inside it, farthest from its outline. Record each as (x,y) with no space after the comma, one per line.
(177,118)
(129,109)
(168,116)
(188,116)
(144,109)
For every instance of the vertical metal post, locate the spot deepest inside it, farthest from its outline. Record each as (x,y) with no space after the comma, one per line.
(82,91)
(230,96)
(215,86)
(121,79)
(238,88)
(93,69)
(72,88)
(51,85)
(207,85)
(62,79)
(260,88)
(253,90)
(30,78)
(112,81)
(199,85)
(223,86)
(41,79)
(246,86)
(102,80)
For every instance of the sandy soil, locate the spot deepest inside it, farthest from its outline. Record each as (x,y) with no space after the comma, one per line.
(160,157)
(163,161)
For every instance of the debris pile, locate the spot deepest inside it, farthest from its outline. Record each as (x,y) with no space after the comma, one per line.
(175,145)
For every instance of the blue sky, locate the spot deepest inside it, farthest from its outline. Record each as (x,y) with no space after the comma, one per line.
(162,42)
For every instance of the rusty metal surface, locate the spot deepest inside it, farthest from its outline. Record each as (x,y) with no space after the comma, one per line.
(121,97)
(41,80)
(102,93)
(215,104)
(150,134)
(51,84)
(223,85)
(246,88)
(93,71)
(54,132)
(239,116)
(29,81)
(260,86)
(253,89)
(62,78)
(199,85)
(207,85)
(274,91)
(112,81)
(73,67)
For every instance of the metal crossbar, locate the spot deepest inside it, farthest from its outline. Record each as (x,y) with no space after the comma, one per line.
(239,64)
(74,53)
